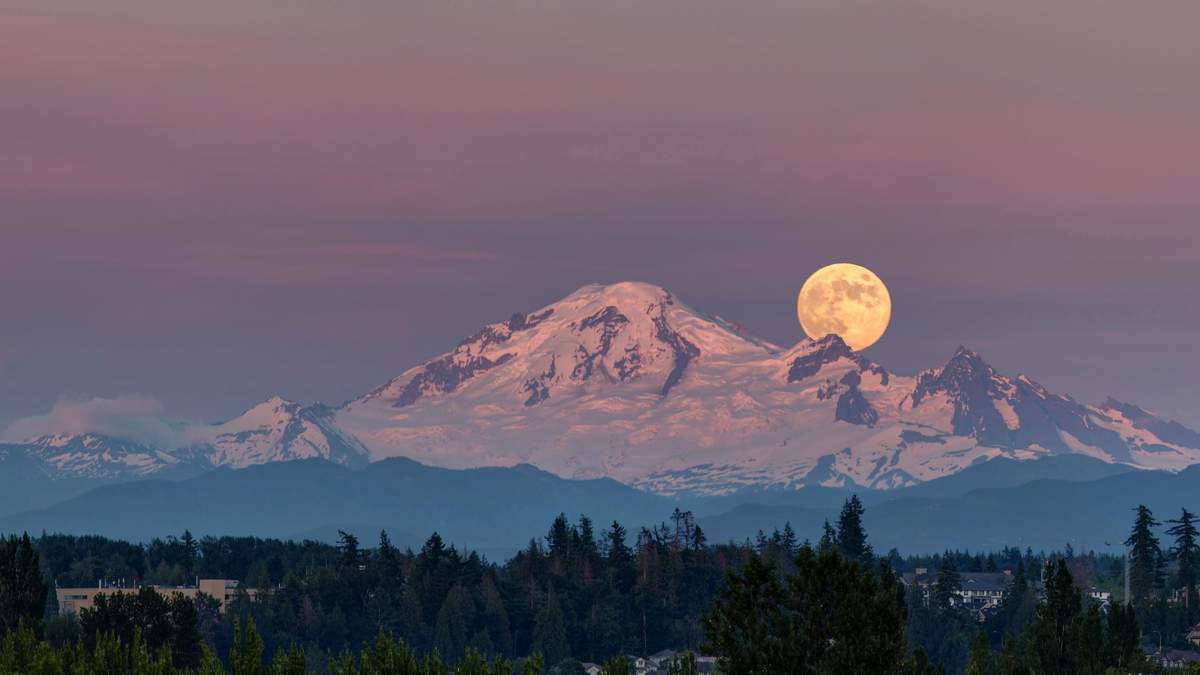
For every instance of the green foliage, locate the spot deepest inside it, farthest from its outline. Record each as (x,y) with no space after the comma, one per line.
(246,658)
(940,632)
(949,583)
(684,664)
(981,661)
(581,595)
(549,633)
(833,615)
(617,665)
(851,535)
(1186,554)
(1145,559)
(22,586)
(170,625)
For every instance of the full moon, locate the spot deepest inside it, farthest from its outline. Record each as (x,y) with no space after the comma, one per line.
(848,300)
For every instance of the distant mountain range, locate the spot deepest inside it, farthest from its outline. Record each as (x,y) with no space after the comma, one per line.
(626,382)
(1042,504)
(487,508)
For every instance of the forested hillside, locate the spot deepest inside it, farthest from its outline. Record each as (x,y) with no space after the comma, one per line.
(584,593)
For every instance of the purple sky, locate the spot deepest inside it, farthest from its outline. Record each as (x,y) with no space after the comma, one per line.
(218,201)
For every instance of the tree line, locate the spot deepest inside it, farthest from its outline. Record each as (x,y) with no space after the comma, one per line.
(582,595)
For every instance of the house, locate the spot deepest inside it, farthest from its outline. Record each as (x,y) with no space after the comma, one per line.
(1193,636)
(1099,595)
(592,668)
(663,658)
(1177,658)
(980,591)
(71,600)
(983,590)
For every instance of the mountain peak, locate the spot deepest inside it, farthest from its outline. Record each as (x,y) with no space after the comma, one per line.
(630,332)
(969,356)
(966,370)
(273,408)
(621,291)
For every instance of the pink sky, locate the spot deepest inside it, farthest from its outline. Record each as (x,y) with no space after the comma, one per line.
(211,202)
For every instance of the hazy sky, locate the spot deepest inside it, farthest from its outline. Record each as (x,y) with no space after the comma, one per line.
(206,203)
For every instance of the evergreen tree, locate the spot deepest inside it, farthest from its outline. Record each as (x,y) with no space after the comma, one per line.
(1186,553)
(617,665)
(1145,558)
(558,542)
(348,546)
(828,540)
(246,657)
(851,536)
(620,560)
(495,617)
(938,628)
(1122,645)
(386,552)
(684,664)
(1017,608)
(549,631)
(454,621)
(834,616)
(948,584)
(22,587)
(747,627)
(981,661)
(290,662)
(788,539)
(1054,634)
(186,643)
(191,551)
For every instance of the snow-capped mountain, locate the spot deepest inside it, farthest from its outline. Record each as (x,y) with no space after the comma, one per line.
(280,430)
(627,382)
(275,430)
(99,457)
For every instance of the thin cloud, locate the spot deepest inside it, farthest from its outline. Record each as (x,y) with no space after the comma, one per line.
(133,417)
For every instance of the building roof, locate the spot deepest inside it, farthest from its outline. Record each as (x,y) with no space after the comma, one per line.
(1181,656)
(985,581)
(971,581)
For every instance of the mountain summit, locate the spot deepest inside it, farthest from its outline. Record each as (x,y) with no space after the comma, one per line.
(626,381)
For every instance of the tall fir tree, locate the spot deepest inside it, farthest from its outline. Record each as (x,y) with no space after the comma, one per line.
(191,553)
(788,540)
(851,535)
(1054,633)
(1186,554)
(829,539)
(948,584)
(1145,558)
(348,545)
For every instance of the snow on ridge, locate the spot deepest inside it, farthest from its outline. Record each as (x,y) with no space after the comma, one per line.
(626,381)
(569,399)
